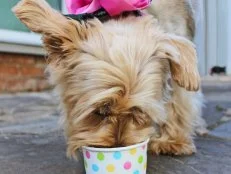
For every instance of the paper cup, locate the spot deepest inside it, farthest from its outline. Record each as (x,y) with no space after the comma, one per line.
(122,160)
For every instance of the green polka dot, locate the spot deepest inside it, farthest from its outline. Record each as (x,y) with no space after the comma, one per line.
(140,159)
(100,156)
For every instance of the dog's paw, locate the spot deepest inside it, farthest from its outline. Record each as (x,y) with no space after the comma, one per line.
(202,131)
(172,148)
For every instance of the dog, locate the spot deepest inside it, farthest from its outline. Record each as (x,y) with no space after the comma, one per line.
(218,70)
(122,81)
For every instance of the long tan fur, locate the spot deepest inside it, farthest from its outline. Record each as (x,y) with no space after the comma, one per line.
(120,82)
(175,16)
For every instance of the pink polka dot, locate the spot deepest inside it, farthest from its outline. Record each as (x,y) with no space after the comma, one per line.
(143,147)
(88,155)
(127,165)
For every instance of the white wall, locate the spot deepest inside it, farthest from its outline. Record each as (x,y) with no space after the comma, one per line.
(200,35)
(213,38)
(222,32)
(229,38)
(211,34)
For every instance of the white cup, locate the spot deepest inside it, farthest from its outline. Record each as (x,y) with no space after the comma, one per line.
(123,160)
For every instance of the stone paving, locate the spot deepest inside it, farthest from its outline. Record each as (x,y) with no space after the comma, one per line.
(31,140)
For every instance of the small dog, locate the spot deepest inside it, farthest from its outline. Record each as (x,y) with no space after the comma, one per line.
(121,81)
(218,70)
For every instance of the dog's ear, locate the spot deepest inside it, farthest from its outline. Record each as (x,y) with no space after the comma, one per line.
(183,60)
(61,36)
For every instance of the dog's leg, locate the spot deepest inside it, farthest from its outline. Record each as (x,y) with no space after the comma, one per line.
(184,116)
(200,126)
(173,140)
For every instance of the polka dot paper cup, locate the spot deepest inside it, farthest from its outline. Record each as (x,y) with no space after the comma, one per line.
(122,160)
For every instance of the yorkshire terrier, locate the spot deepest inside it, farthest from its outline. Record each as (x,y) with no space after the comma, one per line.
(122,81)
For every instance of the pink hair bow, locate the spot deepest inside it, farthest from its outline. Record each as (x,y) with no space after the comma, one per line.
(113,7)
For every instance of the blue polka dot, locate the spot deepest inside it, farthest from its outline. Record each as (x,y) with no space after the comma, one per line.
(95,168)
(117,155)
(136,172)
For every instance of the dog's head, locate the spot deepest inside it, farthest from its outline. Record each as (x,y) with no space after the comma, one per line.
(112,77)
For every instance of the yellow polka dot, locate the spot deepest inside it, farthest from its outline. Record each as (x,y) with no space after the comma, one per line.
(145,166)
(133,151)
(110,168)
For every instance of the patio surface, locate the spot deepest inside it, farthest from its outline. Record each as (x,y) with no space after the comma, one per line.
(31,142)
